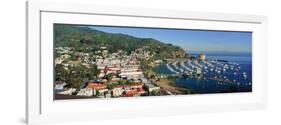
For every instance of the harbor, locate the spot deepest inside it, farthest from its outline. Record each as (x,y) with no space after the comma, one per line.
(209,75)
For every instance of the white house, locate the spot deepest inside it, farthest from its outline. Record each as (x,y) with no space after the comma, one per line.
(117,91)
(85,92)
(151,87)
(68,92)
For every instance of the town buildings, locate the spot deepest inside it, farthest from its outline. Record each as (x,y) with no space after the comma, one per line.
(120,74)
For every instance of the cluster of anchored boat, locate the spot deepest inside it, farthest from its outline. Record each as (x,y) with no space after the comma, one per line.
(223,72)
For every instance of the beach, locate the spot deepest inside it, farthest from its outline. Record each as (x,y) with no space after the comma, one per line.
(171,86)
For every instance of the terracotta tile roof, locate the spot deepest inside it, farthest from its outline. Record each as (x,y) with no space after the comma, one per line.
(119,86)
(140,90)
(139,84)
(96,86)
(131,93)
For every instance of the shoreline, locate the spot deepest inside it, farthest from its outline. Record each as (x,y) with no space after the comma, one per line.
(171,86)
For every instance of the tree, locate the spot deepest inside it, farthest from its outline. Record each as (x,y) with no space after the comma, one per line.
(110,86)
(97,93)
(76,83)
(129,81)
(97,72)
(121,82)
(109,76)
(94,72)
(152,76)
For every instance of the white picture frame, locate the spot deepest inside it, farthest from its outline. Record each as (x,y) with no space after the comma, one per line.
(41,108)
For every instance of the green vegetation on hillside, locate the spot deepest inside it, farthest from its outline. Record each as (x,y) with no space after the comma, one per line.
(82,37)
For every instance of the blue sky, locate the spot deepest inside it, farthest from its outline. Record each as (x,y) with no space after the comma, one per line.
(191,40)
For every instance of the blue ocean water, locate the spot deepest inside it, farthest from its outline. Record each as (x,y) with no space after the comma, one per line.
(202,86)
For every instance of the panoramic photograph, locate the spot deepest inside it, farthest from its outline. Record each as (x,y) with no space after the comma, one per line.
(114,62)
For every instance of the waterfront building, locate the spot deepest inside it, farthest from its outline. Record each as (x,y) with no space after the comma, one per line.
(117,91)
(68,91)
(85,92)
(96,86)
(151,87)
(130,93)
(60,85)
(133,86)
(202,57)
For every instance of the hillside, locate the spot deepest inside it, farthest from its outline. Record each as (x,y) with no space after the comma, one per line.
(83,36)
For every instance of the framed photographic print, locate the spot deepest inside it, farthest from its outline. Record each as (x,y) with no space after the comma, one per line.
(90,62)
